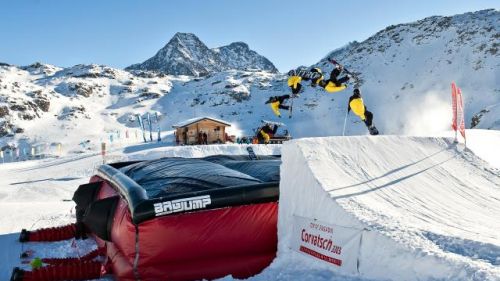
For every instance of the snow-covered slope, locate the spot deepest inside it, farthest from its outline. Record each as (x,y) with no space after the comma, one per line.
(89,103)
(44,104)
(406,71)
(424,208)
(186,54)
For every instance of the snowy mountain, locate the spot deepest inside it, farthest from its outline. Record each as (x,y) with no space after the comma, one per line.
(186,54)
(406,71)
(43,103)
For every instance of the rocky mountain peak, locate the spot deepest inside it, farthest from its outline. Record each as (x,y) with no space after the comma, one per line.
(185,37)
(238,45)
(186,54)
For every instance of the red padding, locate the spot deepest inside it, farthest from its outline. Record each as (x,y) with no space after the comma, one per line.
(52,233)
(71,271)
(208,244)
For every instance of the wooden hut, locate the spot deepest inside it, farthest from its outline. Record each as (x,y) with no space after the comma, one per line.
(201,130)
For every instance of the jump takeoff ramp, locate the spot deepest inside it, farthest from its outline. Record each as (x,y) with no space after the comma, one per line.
(389,207)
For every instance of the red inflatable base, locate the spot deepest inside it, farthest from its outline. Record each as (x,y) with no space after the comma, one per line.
(239,241)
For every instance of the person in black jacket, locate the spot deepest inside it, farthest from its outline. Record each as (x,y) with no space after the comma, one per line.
(205,138)
(357,106)
(277,102)
(334,77)
(266,132)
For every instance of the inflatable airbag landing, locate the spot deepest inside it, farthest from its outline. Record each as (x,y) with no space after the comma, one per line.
(184,219)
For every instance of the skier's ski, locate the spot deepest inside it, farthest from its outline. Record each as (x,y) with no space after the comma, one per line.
(158,126)
(306,74)
(150,127)
(141,125)
(251,153)
(272,123)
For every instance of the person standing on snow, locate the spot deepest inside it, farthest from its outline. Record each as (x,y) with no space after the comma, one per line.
(358,107)
(205,138)
(277,102)
(200,138)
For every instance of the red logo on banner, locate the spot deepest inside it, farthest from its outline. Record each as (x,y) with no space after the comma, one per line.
(320,256)
(334,244)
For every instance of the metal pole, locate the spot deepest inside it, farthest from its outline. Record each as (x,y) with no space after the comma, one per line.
(345,121)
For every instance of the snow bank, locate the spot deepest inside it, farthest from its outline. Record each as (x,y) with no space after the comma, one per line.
(202,151)
(404,208)
(484,143)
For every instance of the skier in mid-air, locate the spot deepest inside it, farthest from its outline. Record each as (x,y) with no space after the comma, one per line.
(357,106)
(294,80)
(277,103)
(318,79)
(334,83)
(265,132)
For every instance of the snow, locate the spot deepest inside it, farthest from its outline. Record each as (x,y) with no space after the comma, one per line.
(486,148)
(430,207)
(194,120)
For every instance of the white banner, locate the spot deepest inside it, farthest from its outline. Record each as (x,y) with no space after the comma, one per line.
(335,245)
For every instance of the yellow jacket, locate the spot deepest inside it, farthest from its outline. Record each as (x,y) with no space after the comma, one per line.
(358,107)
(293,81)
(265,136)
(275,108)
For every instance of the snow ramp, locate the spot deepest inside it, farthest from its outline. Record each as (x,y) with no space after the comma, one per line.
(389,207)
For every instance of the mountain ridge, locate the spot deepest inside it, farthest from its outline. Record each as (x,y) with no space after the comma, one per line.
(186,54)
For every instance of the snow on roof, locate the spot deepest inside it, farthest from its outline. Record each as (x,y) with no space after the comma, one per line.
(198,119)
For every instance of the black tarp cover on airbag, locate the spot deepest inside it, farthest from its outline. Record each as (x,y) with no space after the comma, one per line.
(169,176)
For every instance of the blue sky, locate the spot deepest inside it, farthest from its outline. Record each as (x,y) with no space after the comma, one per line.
(122,32)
